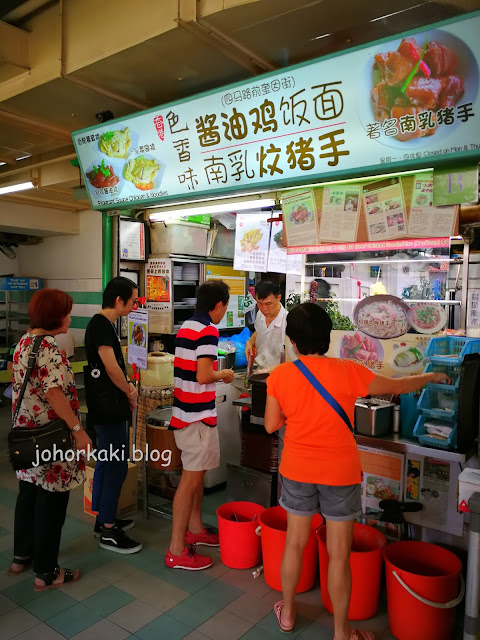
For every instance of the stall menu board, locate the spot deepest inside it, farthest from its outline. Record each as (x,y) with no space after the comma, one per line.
(235,315)
(425,219)
(132,240)
(325,118)
(278,259)
(340,213)
(138,338)
(252,237)
(299,213)
(392,358)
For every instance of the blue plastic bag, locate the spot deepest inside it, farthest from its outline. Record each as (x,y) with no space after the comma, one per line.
(240,340)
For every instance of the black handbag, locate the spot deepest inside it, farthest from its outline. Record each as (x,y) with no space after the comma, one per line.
(28,447)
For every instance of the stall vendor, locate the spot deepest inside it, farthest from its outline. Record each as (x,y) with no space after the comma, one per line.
(267,343)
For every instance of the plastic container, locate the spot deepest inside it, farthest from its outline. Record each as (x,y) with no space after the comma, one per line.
(273,532)
(430,441)
(438,405)
(408,413)
(452,372)
(159,372)
(366,561)
(424,586)
(451,350)
(240,546)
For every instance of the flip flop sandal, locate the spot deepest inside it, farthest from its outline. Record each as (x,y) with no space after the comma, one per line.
(69,576)
(25,562)
(278,607)
(357,634)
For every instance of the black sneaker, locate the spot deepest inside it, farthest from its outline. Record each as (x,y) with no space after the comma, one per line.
(115,539)
(124,525)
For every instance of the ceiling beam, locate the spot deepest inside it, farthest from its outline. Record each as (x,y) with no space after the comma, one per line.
(49,157)
(43,202)
(14,46)
(211,40)
(36,126)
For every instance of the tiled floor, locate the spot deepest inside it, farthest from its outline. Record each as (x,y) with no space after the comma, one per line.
(136,597)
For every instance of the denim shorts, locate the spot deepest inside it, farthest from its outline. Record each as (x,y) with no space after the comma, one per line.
(337,503)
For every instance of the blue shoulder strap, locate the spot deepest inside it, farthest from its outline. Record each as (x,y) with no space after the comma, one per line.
(323,392)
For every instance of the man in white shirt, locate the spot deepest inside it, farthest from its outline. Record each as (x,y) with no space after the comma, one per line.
(267,343)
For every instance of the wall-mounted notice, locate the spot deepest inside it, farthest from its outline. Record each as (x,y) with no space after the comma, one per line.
(299,217)
(385,209)
(138,338)
(340,213)
(132,240)
(425,219)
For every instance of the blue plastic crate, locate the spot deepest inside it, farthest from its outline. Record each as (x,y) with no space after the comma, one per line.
(429,405)
(429,441)
(451,350)
(452,372)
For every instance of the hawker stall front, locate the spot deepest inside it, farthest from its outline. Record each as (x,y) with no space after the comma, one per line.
(350,181)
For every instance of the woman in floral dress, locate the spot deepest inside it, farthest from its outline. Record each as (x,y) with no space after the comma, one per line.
(44,490)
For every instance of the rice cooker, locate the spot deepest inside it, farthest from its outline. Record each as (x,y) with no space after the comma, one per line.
(159,371)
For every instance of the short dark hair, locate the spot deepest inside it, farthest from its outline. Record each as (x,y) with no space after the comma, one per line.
(48,308)
(211,293)
(266,287)
(309,327)
(119,287)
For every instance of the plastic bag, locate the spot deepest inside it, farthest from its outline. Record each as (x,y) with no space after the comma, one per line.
(240,340)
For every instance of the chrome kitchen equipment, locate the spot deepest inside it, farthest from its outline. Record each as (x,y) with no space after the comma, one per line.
(373,417)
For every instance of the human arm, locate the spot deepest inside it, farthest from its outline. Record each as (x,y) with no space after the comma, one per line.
(116,374)
(381,385)
(274,418)
(207,375)
(60,404)
(250,346)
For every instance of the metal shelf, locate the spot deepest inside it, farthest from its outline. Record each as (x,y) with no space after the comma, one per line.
(190,283)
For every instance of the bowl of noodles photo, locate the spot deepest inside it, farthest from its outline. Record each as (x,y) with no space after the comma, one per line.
(138,334)
(382,316)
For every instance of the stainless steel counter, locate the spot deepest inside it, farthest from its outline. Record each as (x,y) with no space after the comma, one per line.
(399,444)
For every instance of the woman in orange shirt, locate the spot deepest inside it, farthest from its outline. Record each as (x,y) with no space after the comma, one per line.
(320,466)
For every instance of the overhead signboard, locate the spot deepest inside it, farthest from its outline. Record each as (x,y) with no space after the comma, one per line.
(394,104)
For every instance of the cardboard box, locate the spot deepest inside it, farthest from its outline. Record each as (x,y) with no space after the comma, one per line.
(127,503)
(468,483)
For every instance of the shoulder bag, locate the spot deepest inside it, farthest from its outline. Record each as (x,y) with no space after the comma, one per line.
(25,445)
(323,392)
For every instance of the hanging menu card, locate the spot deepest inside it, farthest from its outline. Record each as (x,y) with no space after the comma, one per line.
(340,213)
(385,209)
(252,234)
(299,217)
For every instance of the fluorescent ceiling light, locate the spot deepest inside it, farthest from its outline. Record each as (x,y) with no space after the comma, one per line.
(231,196)
(2,163)
(389,15)
(325,35)
(418,260)
(17,187)
(29,155)
(212,209)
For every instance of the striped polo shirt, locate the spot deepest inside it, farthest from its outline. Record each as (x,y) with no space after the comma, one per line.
(194,402)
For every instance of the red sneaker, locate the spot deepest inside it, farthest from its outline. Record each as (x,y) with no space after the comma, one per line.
(189,560)
(207,537)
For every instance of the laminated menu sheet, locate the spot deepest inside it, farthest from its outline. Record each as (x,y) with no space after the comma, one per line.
(252,237)
(425,219)
(299,212)
(385,209)
(278,259)
(340,213)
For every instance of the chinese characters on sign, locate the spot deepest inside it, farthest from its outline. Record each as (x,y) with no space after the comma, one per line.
(291,126)
(473,313)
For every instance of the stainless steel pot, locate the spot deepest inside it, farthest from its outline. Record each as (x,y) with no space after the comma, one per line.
(226,362)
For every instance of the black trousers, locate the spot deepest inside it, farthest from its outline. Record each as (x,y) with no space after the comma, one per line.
(39,518)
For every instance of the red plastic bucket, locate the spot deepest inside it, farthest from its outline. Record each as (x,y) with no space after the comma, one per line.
(240,547)
(274,533)
(366,565)
(423,585)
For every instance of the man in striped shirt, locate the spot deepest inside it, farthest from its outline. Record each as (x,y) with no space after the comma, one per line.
(194,419)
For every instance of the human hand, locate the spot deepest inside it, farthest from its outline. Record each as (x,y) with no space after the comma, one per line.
(133,403)
(439,378)
(250,350)
(82,440)
(132,394)
(227,375)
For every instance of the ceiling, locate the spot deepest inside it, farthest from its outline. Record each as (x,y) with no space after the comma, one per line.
(77,65)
